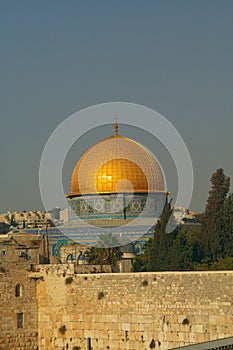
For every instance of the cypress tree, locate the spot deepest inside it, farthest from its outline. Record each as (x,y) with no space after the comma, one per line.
(213,223)
(228,237)
(186,248)
(159,257)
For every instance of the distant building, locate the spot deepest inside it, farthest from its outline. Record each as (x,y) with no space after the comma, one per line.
(23,247)
(26,219)
(64,215)
(55,213)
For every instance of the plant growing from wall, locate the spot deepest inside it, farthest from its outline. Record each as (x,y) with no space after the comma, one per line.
(100,295)
(152,344)
(145,283)
(69,280)
(62,329)
(2,269)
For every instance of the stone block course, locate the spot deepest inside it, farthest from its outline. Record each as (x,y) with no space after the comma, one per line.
(129,312)
(11,337)
(174,308)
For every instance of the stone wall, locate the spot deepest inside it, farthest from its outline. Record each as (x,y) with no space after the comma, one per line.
(62,309)
(12,337)
(132,311)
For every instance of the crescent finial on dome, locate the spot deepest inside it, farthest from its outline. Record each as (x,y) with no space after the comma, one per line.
(116,125)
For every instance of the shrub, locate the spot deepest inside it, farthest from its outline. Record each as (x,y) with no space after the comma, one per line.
(145,283)
(62,329)
(69,280)
(2,269)
(152,344)
(100,295)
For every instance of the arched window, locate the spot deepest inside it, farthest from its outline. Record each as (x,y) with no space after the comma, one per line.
(70,258)
(82,259)
(18,290)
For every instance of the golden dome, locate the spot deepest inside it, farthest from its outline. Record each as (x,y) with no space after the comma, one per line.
(114,165)
(120,175)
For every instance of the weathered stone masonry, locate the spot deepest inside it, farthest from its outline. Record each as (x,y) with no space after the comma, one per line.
(62,309)
(11,337)
(132,311)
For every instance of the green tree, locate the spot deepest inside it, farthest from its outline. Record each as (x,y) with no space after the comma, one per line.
(159,257)
(223,264)
(228,236)
(110,244)
(4,228)
(140,263)
(178,250)
(220,264)
(186,248)
(107,251)
(213,221)
(96,256)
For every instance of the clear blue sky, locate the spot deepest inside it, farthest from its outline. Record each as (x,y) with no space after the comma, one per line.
(58,57)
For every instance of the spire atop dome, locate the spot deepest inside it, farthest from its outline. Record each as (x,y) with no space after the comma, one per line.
(116,125)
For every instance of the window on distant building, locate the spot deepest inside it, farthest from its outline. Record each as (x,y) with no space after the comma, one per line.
(18,290)
(20,320)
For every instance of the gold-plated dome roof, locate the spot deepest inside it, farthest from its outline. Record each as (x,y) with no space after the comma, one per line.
(120,175)
(114,165)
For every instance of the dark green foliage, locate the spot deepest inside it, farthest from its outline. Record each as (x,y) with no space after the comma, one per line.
(100,295)
(69,280)
(106,252)
(181,250)
(152,344)
(140,264)
(4,228)
(159,257)
(217,218)
(228,237)
(2,269)
(221,264)
(145,283)
(95,256)
(62,329)
(177,250)
(185,248)
(209,247)
(76,348)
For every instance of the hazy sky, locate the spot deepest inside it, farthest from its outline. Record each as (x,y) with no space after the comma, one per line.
(58,57)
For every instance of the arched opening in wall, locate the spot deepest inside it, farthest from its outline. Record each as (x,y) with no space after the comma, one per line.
(70,258)
(54,251)
(18,290)
(82,260)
